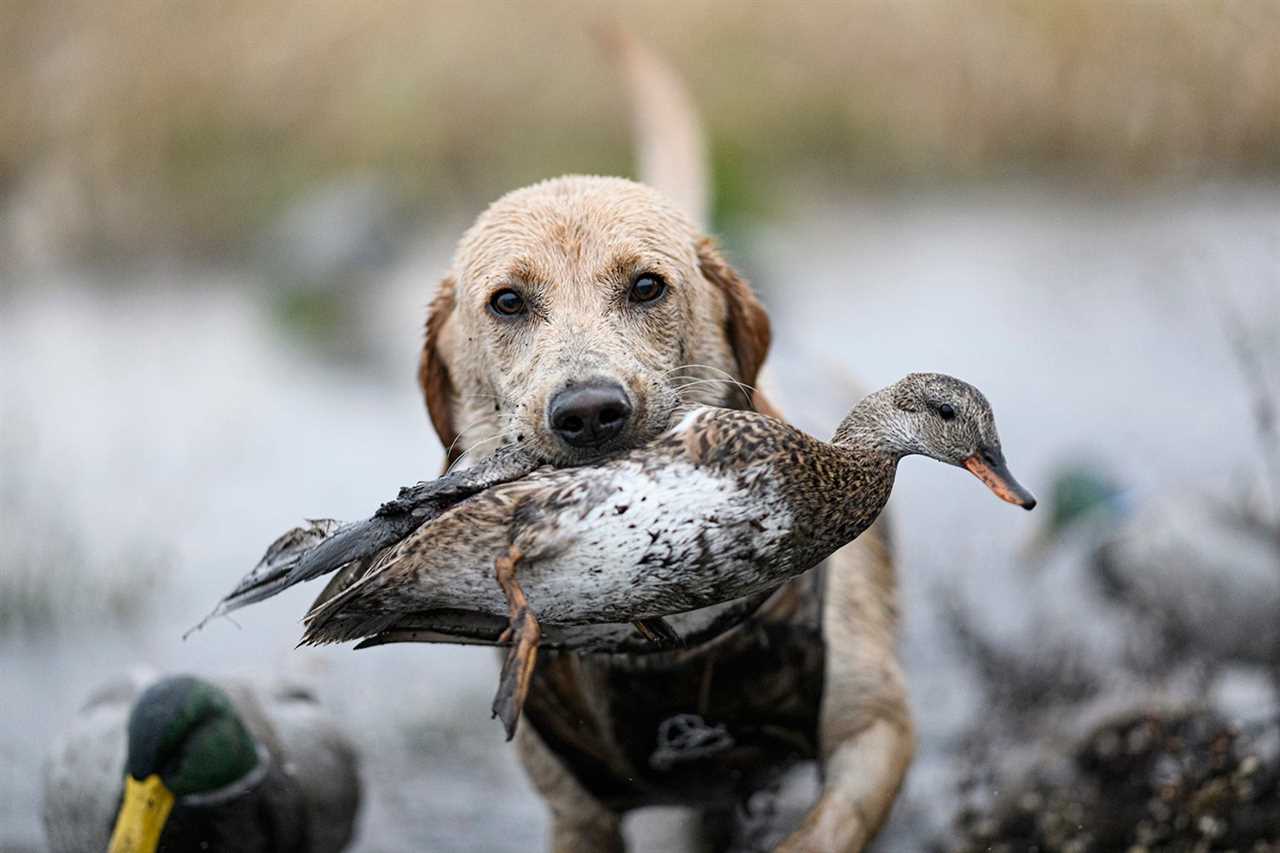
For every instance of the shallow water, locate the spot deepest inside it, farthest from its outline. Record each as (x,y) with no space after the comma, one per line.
(163,429)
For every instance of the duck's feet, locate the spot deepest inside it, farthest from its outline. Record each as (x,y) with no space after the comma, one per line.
(659,632)
(523,633)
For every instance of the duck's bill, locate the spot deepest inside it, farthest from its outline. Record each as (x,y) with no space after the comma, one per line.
(1000,481)
(143,813)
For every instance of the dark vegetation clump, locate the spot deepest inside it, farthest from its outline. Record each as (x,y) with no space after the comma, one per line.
(1147,781)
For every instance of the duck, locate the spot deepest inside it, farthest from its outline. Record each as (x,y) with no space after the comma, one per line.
(180,762)
(725,505)
(1204,573)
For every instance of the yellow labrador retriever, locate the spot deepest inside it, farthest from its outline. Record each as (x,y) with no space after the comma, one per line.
(581,315)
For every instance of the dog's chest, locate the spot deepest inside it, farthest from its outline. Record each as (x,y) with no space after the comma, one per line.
(708,726)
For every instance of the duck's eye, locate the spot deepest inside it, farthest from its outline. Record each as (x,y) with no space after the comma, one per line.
(647,287)
(507,303)
(947,412)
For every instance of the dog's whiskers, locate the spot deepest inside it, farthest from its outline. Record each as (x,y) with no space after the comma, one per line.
(502,421)
(497,436)
(484,420)
(748,391)
(515,445)
(729,377)
(745,389)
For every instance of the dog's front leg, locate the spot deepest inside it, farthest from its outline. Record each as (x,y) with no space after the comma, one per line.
(579,822)
(863,775)
(865,732)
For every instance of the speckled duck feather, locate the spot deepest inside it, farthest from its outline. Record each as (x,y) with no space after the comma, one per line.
(727,504)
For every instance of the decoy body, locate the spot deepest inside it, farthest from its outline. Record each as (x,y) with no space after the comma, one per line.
(1206,574)
(181,763)
(726,504)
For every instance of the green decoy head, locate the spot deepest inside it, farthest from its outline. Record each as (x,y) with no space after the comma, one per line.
(186,745)
(1080,492)
(1080,495)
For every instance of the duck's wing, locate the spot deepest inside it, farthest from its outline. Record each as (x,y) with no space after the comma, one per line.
(466,627)
(326,545)
(355,604)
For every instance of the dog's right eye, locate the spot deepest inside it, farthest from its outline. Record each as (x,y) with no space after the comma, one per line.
(507,303)
(647,288)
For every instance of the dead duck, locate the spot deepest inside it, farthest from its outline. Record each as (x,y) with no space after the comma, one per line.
(182,763)
(725,505)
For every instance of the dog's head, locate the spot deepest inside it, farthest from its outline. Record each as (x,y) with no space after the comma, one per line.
(581,315)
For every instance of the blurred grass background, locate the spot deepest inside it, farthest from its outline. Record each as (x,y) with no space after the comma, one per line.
(142,126)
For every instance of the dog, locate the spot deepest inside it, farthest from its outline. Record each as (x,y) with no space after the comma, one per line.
(582,315)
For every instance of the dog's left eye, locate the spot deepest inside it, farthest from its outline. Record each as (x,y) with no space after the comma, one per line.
(507,302)
(647,287)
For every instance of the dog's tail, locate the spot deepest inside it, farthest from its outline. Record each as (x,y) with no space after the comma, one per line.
(671,148)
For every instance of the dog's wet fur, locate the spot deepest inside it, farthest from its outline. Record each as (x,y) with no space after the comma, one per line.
(573,248)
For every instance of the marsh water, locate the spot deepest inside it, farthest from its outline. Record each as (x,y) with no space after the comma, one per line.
(158,429)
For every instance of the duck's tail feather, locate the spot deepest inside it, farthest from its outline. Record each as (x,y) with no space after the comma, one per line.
(303,553)
(347,577)
(277,570)
(343,627)
(324,546)
(331,618)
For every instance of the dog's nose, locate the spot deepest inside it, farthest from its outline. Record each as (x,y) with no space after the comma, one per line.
(589,415)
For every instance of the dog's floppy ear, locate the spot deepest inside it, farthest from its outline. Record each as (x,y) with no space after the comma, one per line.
(433,373)
(747,324)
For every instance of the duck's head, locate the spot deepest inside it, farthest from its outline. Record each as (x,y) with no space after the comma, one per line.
(187,748)
(941,417)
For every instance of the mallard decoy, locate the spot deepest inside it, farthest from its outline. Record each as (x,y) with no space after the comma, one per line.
(1205,573)
(726,504)
(181,763)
